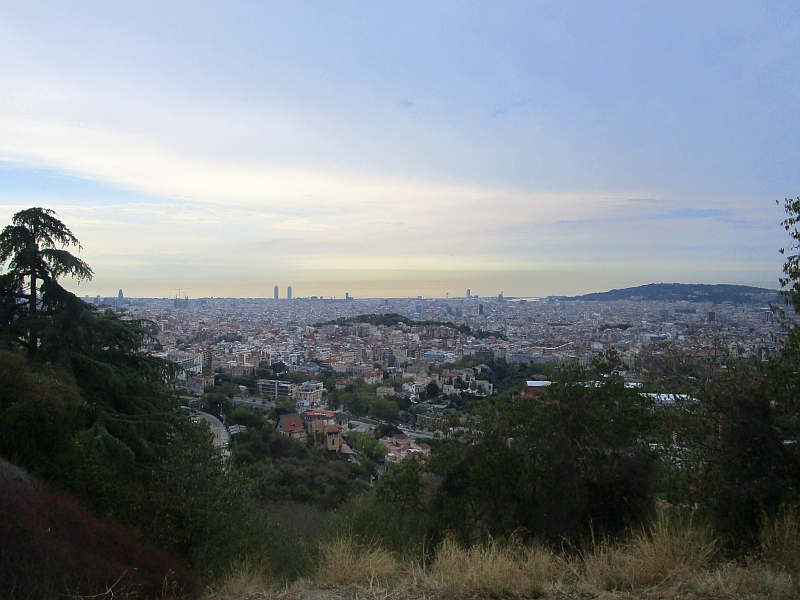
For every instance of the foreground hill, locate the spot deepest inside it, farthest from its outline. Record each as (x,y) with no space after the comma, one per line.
(695,292)
(51,547)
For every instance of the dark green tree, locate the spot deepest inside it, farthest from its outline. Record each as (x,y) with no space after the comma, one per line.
(574,461)
(790,282)
(732,442)
(82,406)
(34,248)
(131,411)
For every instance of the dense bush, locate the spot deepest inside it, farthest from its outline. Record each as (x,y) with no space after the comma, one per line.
(39,415)
(549,468)
(730,446)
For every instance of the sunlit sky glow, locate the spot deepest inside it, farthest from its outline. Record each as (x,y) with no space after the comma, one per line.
(404,148)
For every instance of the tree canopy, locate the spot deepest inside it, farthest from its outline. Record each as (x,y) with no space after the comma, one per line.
(34,248)
(129,406)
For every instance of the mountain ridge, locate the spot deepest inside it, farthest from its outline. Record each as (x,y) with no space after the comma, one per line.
(689,292)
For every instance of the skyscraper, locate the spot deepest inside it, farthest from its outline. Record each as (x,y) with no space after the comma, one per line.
(469,293)
(480,309)
(276,292)
(289,293)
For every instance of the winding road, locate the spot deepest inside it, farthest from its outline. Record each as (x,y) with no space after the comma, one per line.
(221,436)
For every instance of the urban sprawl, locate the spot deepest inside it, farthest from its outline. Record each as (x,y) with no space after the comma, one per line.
(395,348)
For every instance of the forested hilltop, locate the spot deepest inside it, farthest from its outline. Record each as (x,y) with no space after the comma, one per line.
(680,480)
(392,319)
(694,292)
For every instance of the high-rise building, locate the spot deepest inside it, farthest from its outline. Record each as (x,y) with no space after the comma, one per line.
(469,293)
(120,297)
(275,291)
(289,293)
(664,315)
(712,316)
(480,309)
(347,295)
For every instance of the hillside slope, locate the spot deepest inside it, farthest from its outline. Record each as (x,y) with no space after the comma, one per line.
(50,544)
(695,292)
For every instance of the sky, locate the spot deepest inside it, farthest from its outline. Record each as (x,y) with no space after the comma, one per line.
(404,148)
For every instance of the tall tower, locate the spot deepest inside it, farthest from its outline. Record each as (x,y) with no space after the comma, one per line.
(289,293)
(276,292)
(469,293)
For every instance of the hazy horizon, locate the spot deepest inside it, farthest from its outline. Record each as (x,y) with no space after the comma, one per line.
(384,284)
(403,149)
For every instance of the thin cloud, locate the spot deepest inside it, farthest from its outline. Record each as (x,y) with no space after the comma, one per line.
(692,213)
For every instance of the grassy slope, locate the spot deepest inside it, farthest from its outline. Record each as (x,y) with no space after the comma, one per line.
(666,562)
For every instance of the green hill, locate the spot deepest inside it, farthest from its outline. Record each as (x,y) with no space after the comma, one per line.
(738,294)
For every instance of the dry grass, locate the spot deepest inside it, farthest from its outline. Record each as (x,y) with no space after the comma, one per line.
(246,581)
(511,571)
(345,562)
(666,561)
(753,580)
(648,559)
(780,542)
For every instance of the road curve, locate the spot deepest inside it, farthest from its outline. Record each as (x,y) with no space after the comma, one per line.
(221,436)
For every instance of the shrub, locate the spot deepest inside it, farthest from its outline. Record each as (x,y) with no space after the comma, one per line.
(39,413)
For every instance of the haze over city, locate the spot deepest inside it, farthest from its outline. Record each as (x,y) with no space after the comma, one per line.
(401,149)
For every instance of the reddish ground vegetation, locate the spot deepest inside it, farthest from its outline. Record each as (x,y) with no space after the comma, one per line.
(50,546)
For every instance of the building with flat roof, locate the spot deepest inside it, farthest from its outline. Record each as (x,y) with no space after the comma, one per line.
(275,389)
(535,387)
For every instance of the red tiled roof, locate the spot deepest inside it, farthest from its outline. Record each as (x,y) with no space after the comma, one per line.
(319,413)
(291,423)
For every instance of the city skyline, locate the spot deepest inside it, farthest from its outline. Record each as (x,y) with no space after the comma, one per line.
(666,292)
(394,150)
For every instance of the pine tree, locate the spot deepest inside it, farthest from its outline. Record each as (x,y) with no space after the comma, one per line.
(131,409)
(33,245)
